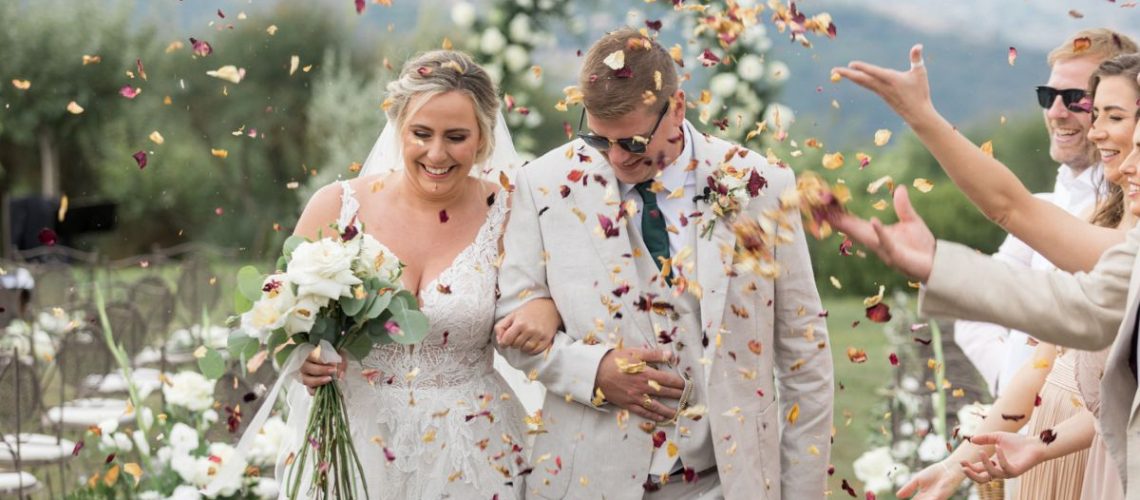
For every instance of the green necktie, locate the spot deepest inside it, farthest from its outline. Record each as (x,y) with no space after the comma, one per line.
(653,224)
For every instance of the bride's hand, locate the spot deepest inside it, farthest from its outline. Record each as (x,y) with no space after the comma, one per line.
(530,328)
(906,92)
(939,481)
(315,373)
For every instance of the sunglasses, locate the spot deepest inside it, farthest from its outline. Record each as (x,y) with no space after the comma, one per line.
(635,145)
(1071,98)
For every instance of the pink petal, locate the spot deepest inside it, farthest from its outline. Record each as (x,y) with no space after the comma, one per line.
(128,92)
(48,237)
(140,158)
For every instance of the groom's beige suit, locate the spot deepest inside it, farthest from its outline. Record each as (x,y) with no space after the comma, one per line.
(756,350)
(1084,311)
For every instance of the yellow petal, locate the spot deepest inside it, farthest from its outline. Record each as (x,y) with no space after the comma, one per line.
(878,183)
(616,60)
(156,137)
(294,63)
(794,414)
(21,84)
(923,185)
(882,137)
(879,205)
(74,108)
(988,148)
(219,153)
(134,470)
(832,161)
(112,476)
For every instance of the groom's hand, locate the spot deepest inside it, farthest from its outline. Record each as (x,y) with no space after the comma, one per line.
(628,379)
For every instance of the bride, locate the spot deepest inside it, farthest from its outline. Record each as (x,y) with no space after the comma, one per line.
(434,419)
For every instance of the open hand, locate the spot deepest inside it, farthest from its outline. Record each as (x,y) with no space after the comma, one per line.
(939,481)
(906,92)
(628,379)
(907,246)
(1014,455)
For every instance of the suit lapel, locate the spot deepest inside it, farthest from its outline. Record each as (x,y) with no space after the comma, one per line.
(713,254)
(616,252)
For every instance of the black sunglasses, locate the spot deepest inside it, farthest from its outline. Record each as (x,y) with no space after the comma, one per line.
(1071,98)
(635,145)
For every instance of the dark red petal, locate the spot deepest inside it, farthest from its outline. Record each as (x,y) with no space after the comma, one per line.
(658,439)
(443,218)
(894,359)
(78,446)
(359,6)
(140,158)
(653,25)
(756,182)
(879,313)
(48,237)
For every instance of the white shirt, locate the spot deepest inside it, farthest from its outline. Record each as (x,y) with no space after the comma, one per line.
(998,352)
(678,210)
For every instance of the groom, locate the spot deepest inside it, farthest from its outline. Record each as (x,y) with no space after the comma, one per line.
(618,229)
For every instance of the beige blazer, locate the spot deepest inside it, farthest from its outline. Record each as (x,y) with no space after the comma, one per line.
(1084,311)
(554,247)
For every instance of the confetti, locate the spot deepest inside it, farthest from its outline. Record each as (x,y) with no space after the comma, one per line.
(156,137)
(923,185)
(74,108)
(882,137)
(140,158)
(1012,55)
(229,73)
(988,148)
(89,59)
(21,84)
(128,92)
(616,60)
(832,161)
(201,48)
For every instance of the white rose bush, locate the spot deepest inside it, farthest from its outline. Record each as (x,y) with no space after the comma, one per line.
(337,294)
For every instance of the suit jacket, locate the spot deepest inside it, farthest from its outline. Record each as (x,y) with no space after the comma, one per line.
(1084,310)
(556,246)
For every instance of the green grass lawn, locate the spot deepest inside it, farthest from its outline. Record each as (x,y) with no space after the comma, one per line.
(858,403)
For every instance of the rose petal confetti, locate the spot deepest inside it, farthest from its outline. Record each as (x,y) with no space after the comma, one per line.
(219,153)
(201,48)
(443,218)
(48,237)
(229,73)
(294,62)
(894,359)
(832,161)
(128,92)
(89,59)
(21,84)
(708,58)
(923,185)
(879,313)
(616,60)
(885,180)
(988,148)
(140,158)
(1081,44)
(856,355)
(360,6)
(1012,55)
(156,137)
(74,108)
(882,137)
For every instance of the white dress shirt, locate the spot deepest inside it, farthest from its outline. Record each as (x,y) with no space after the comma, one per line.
(998,352)
(678,210)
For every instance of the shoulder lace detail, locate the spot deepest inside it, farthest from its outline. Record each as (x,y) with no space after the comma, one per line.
(349,206)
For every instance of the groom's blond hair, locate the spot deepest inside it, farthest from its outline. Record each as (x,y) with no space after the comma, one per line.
(647,79)
(1096,43)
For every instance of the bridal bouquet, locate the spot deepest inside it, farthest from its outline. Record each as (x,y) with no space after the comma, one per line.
(336,294)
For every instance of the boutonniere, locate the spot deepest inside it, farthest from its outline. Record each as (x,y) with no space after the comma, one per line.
(728,191)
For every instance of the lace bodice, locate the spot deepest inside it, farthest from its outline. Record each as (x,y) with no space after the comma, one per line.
(460,306)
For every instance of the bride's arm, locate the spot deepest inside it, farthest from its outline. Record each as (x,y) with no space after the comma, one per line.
(989,184)
(320,213)
(530,328)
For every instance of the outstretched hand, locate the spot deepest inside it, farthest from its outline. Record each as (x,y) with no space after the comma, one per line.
(1014,455)
(938,481)
(906,92)
(907,245)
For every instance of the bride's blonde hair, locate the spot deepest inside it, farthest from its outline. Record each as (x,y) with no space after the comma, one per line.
(437,72)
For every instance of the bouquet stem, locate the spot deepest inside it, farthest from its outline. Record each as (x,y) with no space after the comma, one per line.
(330,449)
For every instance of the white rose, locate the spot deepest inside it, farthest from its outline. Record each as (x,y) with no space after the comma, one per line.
(519,28)
(266,488)
(778,71)
(905,447)
(229,471)
(323,268)
(495,73)
(267,443)
(907,429)
(492,41)
(516,58)
(970,417)
(873,468)
(109,426)
(376,260)
(533,119)
(183,438)
(272,310)
(185,493)
(123,443)
(750,67)
(909,383)
(463,15)
(209,417)
(723,84)
(932,448)
(190,390)
(304,314)
(784,114)
(189,468)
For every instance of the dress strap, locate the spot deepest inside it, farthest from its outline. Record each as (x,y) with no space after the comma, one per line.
(349,207)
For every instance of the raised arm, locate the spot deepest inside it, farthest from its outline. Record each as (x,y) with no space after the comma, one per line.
(989,184)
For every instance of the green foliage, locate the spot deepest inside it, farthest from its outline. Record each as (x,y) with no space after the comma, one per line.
(1021,144)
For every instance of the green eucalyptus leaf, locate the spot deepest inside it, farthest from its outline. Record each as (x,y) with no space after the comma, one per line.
(291,244)
(276,338)
(283,354)
(359,346)
(378,306)
(413,324)
(249,282)
(212,365)
(351,305)
(242,304)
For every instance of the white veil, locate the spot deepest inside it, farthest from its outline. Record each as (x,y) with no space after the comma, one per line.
(386,155)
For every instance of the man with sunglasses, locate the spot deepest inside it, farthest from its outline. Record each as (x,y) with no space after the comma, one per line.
(676,375)
(998,352)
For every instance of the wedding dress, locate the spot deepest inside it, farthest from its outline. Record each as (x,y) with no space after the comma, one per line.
(435,420)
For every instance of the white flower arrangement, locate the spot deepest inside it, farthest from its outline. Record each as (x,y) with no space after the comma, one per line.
(190,390)
(878,470)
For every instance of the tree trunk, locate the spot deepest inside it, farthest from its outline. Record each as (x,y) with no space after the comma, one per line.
(49,165)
